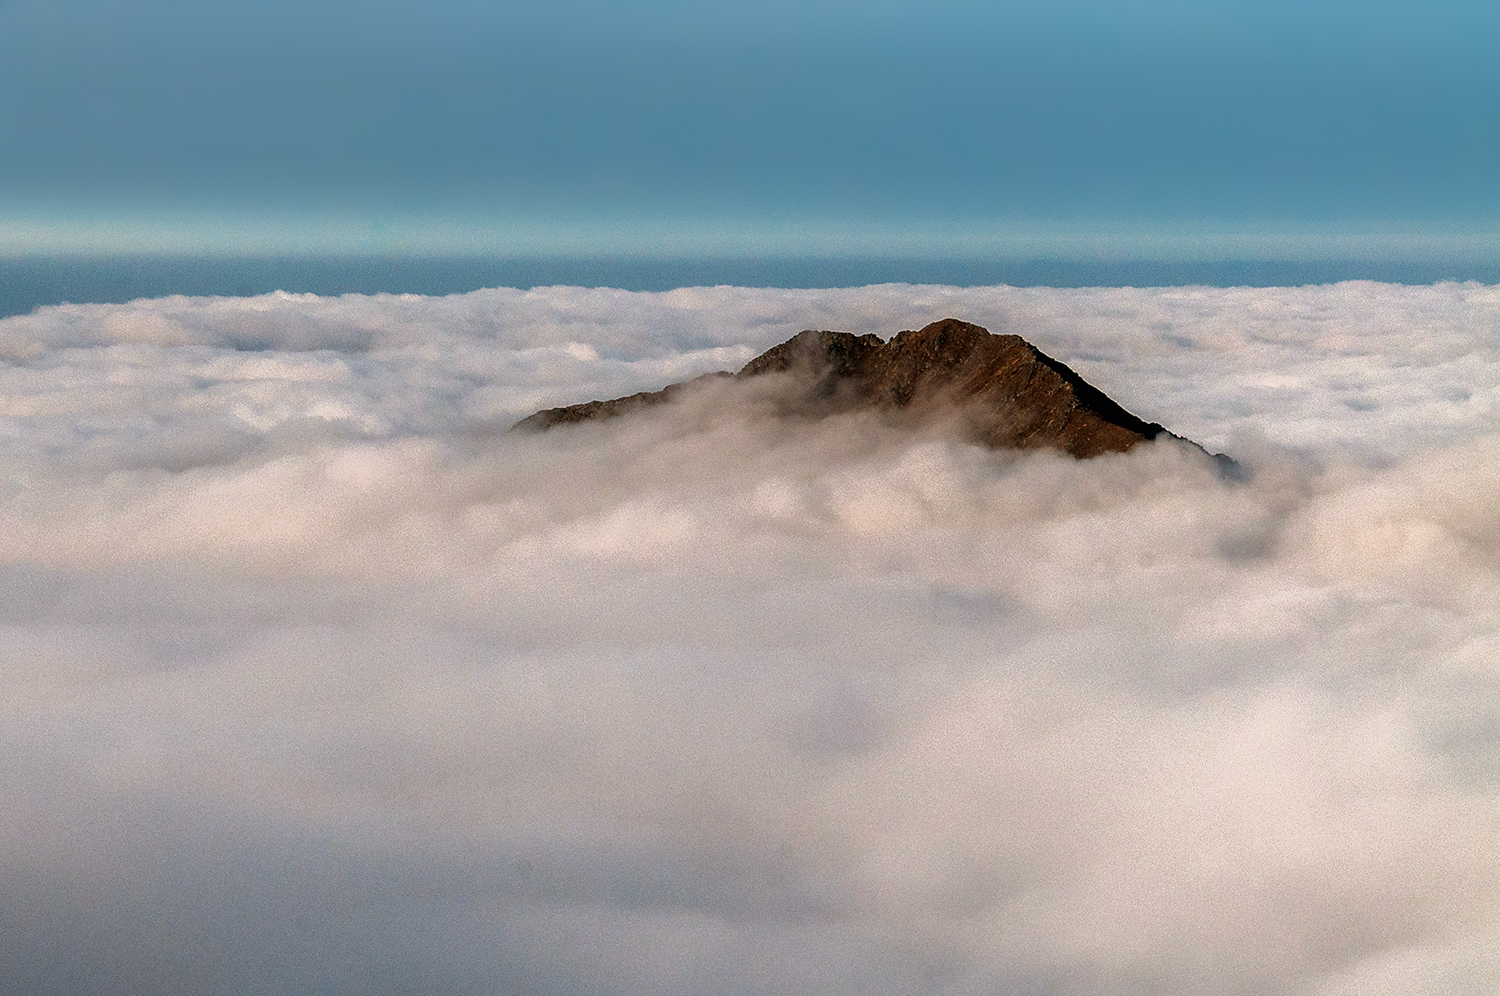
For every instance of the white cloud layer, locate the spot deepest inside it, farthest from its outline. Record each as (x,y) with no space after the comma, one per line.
(312,677)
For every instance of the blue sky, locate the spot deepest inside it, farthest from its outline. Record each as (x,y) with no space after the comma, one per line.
(671,127)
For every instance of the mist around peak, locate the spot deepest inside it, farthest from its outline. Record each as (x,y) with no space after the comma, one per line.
(316,676)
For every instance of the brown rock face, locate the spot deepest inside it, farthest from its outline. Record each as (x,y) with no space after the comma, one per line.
(592,410)
(1003,390)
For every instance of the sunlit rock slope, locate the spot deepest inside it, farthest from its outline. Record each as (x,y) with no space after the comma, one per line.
(1001,389)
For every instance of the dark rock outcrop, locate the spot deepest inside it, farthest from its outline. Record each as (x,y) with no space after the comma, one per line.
(593,410)
(1004,391)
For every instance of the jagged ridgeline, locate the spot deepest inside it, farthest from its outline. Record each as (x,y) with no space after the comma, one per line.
(1007,393)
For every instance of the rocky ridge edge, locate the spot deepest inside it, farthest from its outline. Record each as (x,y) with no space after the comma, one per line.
(1007,393)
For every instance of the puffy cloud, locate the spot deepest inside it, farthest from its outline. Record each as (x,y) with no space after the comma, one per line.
(314,675)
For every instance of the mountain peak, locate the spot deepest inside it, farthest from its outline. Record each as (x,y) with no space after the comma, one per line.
(1005,392)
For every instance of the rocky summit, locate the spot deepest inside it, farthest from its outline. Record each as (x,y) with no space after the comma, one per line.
(1001,389)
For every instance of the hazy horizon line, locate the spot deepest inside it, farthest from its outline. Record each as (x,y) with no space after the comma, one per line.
(31,235)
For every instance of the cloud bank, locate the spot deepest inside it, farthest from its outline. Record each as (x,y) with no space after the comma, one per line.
(315,678)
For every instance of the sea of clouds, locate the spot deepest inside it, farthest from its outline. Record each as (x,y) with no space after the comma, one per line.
(315,678)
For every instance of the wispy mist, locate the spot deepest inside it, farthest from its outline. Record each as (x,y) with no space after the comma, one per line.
(315,677)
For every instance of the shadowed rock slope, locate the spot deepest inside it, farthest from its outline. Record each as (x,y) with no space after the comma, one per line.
(1003,390)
